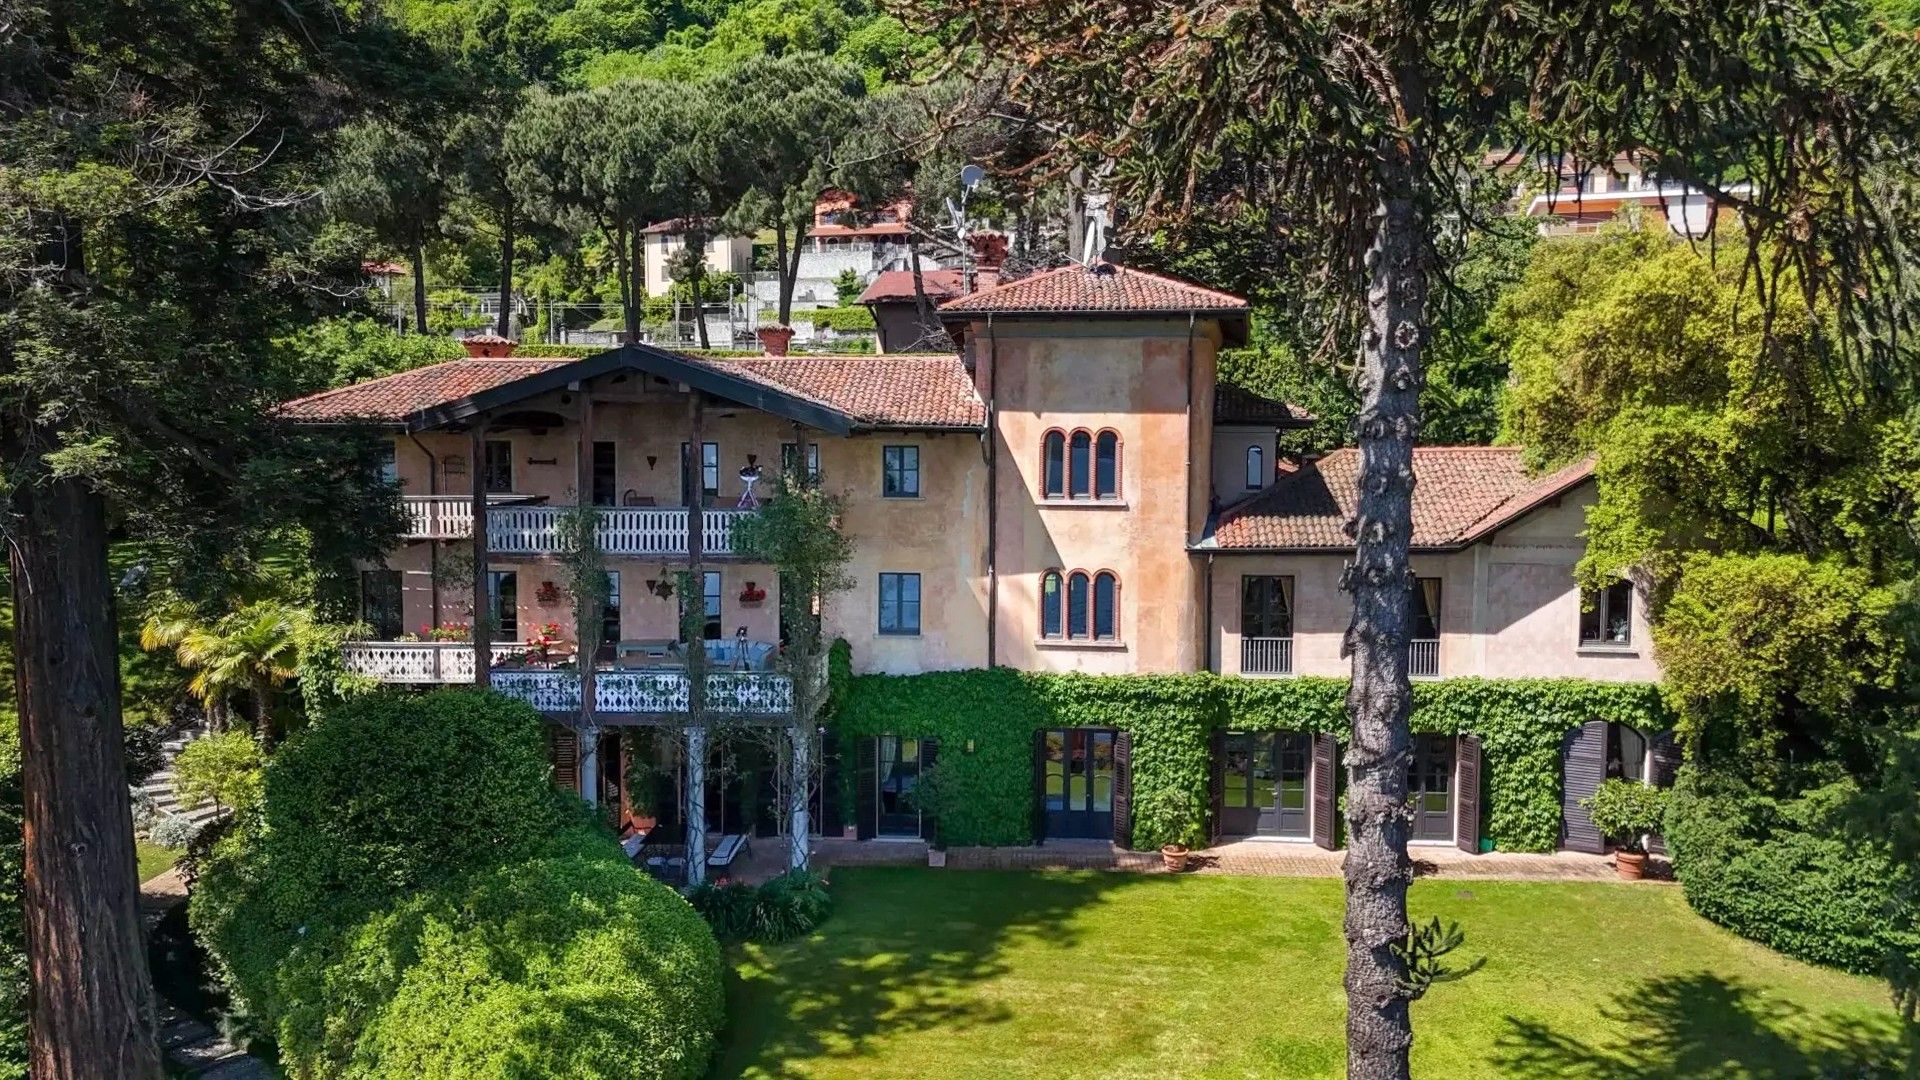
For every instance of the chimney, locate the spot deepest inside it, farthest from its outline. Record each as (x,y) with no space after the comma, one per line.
(775,339)
(488,346)
(989,249)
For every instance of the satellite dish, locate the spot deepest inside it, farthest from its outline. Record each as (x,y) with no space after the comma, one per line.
(971,175)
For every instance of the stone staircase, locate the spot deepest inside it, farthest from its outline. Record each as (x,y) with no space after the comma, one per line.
(159,786)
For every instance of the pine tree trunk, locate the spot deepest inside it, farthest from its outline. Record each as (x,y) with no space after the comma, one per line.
(1379,1032)
(419,288)
(92,1012)
(699,307)
(637,282)
(503,324)
(925,325)
(785,281)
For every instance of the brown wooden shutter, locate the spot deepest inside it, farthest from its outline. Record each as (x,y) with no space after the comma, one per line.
(1583,762)
(1123,789)
(831,820)
(929,821)
(866,787)
(1216,783)
(563,749)
(1466,801)
(1325,764)
(1040,786)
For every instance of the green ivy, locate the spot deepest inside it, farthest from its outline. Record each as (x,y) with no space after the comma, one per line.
(985,720)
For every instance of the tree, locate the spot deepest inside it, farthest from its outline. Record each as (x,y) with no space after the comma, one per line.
(1358,122)
(221,769)
(396,180)
(249,653)
(784,121)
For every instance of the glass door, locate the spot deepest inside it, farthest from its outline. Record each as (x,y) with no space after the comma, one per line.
(1430,787)
(899,775)
(1078,783)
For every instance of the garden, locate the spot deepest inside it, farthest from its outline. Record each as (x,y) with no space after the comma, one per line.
(940,974)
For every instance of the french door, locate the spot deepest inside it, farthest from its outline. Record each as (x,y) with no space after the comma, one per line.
(1264,790)
(1430,787)
(1077,782)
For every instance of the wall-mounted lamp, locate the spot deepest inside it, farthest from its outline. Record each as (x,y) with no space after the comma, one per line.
(651,460)
(752,458)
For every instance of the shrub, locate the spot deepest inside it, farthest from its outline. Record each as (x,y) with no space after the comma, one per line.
(175,830)
(1626,811)
(790,906)
(222,769)
(1774,871)
(727,907)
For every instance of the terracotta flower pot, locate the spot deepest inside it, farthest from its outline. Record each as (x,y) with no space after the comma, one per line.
(1630,865)
(1175,857)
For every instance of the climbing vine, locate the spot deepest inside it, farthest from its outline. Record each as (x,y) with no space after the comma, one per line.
(985,720)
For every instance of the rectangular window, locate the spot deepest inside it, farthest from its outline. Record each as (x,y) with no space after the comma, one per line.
(1606,616)
(709,472)
(900,604)
(503,600)
(610,612)
(790,462)
(380,603)
(1426,609)
(499,474)
(605,478)
(900,472)
(1266,606)
(389,464)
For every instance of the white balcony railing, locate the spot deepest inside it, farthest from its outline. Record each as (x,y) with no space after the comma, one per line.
(1423,658)
(1266,656)
(528,529)
(663,691)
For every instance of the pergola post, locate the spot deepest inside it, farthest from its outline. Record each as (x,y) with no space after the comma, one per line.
(696,808)
(586,630)
(482,627)
(800,761)
(696,804)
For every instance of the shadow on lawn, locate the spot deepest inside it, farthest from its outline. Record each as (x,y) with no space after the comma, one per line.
(1704,1025)
(897,958)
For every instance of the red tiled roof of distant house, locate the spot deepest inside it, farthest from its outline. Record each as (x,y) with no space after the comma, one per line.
(941,285)
(1103,287)
(384,269)
(1461,494)
(1238,405)
(879,391)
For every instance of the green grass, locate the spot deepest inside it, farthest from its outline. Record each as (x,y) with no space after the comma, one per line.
(932,974)
(154,859)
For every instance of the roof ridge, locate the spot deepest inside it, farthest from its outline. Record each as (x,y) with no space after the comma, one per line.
(332,390)
(1539,488)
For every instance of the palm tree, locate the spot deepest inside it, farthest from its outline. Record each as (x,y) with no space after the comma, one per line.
(248,653)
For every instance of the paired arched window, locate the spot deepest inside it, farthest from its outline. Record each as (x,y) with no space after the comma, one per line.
(1078,606)
(1080,465)
(1256,468)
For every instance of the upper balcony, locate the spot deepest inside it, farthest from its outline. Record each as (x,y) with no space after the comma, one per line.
(520,526)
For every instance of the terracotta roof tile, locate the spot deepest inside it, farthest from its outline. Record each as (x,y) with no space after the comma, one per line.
(898,285)
(878,391)
(1462,493)
(1238,405)
(394,398)
(1103,287)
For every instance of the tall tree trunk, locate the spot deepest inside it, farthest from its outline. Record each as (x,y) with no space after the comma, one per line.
(637,280)
(419,288)
(785,283)
(92,1011)
(925,326)
(629,303)
(1379,1032)
(503,324)
(263,728)
(695,284)
(790,273)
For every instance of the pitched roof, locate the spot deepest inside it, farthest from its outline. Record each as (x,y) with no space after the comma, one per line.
(1103,287)
(876,391)
(1461,494)
(898,285)
(1238,405)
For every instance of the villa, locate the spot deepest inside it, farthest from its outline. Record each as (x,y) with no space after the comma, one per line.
(1072,491)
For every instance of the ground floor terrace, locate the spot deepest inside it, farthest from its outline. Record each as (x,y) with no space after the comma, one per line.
(942,974)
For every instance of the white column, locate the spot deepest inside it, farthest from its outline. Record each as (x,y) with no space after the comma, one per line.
(800,759)
(590,763)
(696,808)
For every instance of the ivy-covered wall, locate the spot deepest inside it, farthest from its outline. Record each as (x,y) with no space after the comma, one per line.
(986,793)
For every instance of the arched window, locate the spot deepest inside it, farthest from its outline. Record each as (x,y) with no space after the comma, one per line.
(1077,605)
(1106,466)
(1106,596)
(1050,600)
(1078,472)
(1054,465)
(1256,468)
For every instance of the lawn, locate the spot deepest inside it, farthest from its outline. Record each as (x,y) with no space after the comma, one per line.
(154,859)
(928,974)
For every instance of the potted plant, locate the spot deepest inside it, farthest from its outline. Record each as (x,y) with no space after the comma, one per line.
(1174,856)
(752,595)
(1169,813)
(1625,811)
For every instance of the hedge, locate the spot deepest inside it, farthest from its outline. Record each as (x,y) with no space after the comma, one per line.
(987,794)
(412,897)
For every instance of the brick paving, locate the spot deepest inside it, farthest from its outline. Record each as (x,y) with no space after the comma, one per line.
(1244,858)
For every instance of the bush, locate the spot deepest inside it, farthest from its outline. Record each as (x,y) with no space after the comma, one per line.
(412,898)
(175,830)
(1776,871)
(790,906)
(1626,811)
(223,769)
(727,906)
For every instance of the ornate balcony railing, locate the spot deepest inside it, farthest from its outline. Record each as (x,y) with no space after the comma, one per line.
(1266,656)
(662,691)
(1423,658)
(530,529)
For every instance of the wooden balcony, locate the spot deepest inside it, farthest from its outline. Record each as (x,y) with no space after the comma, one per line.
(647,692)
(534,529)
